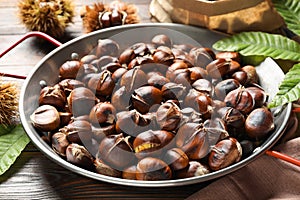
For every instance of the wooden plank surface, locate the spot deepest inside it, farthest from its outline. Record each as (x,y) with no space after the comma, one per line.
(33,175)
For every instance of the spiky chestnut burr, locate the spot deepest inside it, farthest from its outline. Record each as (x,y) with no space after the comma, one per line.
(90,15)
(8,103)
(48,16)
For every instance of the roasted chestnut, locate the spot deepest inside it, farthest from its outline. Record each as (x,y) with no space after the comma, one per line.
(133,79)
(193,169)
(218,68)
(103,112)
(107,47)
(224,153)
(145,97)
(259,123)
(176,159)
(45,118)
(102,83)
(153,169)
(168,116)
(161,40)
(69,69)
(240,99)
(116,151)
(224,87)
(80,101)
(193,140)
(54,96)
(80,156)
(151,143)
(60,143)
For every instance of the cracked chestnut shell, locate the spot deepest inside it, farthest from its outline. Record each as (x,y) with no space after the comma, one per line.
(133,79)
(151,143)
(193,140)
(193,169)
(259,123)
(153,169)
(224,153)
(116,151)
(80,156)
(240,99)
(145,97)
(54,96)
(218,68)
(168,116)
(176,159)
(102,83)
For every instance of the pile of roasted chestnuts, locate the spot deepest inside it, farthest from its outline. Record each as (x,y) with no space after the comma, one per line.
(153,111)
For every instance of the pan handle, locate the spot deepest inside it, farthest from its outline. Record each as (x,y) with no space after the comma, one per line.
(28,35)
(290,130)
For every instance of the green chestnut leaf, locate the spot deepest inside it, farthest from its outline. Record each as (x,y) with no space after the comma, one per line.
(290,11)
(261,44)
(11,146)
(289,89)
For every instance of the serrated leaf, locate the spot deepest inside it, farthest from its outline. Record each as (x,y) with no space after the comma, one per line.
(289,89)
(261,44)
(290,11)
(11,146)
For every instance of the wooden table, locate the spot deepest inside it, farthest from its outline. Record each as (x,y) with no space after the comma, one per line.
(34,176)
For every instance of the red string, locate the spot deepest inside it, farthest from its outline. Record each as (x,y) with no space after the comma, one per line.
(28,35)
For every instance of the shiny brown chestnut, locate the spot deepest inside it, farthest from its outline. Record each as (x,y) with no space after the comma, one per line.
(224,87)
(193,140)
(151,143)
(102,168)
(80,156)
(168,116)
(145,97)
(120,99)
(116,151)
(107,47)
(153,169)
(259,96)
(70,84)
(173,91)
(252,76)
(103,112)
(229,55)
(218,68)
(224,153)
(193,169)
(59,143)
(126,56)
(240,99)
(54,96)
(204,86)
(176,159)
(133,79)
(69,69)
(202,56)
(80,101)
(161,40)
(132,122)
(102,83)
(117,75)
(78,131)
(163,55)
(45,118)
(259,123)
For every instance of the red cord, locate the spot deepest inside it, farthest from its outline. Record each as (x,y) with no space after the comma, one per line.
(284,157)
(28,35)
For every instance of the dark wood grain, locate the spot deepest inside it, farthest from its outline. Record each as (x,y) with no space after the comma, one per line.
(33,175)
